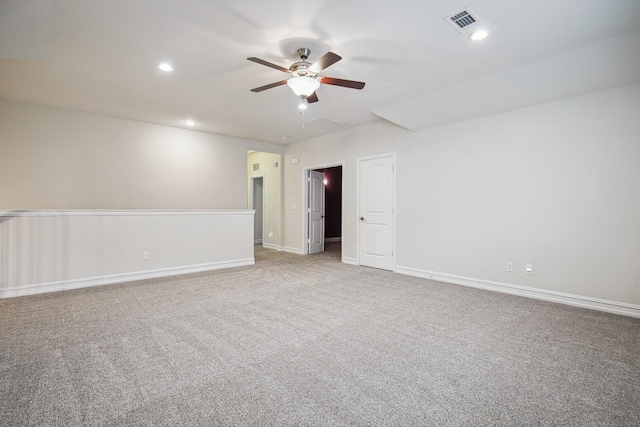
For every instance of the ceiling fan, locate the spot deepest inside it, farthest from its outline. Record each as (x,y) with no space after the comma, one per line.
(304,80)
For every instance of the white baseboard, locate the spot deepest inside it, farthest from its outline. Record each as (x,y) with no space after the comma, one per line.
(350,261)
(63,285)
(541,294)
(272,246)
(293,250)
(332,239)
(257,241)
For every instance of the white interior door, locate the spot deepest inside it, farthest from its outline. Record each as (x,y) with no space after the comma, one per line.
(376,205)
(316,212)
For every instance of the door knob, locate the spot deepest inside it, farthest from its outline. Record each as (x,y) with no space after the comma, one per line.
(361,218)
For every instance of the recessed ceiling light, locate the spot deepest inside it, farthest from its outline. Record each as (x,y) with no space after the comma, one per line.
(165,66)
(284,137)
(478,35)
(189,122)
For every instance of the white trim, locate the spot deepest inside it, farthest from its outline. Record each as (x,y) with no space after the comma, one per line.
(350,261)
(272,246)
(524,291)
(63,285)
(132,212)
(294,250)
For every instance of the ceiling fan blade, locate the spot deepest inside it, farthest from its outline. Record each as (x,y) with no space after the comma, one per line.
(340,82)
(312,98)
(324,61)
(268,64)
(272,85)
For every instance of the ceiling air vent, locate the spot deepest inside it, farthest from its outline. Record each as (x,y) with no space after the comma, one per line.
(464,21)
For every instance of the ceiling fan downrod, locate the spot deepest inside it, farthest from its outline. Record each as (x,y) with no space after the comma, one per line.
(304,53)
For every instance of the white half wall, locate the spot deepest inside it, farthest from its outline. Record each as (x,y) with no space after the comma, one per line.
(556,185)
(45,251)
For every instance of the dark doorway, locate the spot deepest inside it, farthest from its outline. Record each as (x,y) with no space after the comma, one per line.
(333,203)
(331,235)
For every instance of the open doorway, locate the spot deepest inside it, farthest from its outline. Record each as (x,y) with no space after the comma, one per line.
(264,196)
(323,201)
(333,204)
(257,204)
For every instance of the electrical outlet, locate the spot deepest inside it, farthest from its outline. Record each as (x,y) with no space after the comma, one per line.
(528,268)
(353,247)
(509,267)
(146,256)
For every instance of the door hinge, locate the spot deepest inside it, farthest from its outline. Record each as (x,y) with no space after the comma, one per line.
(393,168)
(393,253)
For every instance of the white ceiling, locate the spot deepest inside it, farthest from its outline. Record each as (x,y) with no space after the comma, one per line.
(100,56)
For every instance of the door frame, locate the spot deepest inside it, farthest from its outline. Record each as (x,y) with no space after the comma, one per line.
(312,209)
(305,199)
(359,161)
(252,179)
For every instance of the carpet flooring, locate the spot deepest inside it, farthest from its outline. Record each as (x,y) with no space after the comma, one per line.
(309,341)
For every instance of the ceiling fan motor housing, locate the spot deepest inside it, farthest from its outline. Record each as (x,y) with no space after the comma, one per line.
(301,69)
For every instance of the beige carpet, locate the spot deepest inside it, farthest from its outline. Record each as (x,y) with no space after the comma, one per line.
(309,341)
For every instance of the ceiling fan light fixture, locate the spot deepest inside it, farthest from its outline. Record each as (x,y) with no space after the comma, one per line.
(303,85)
